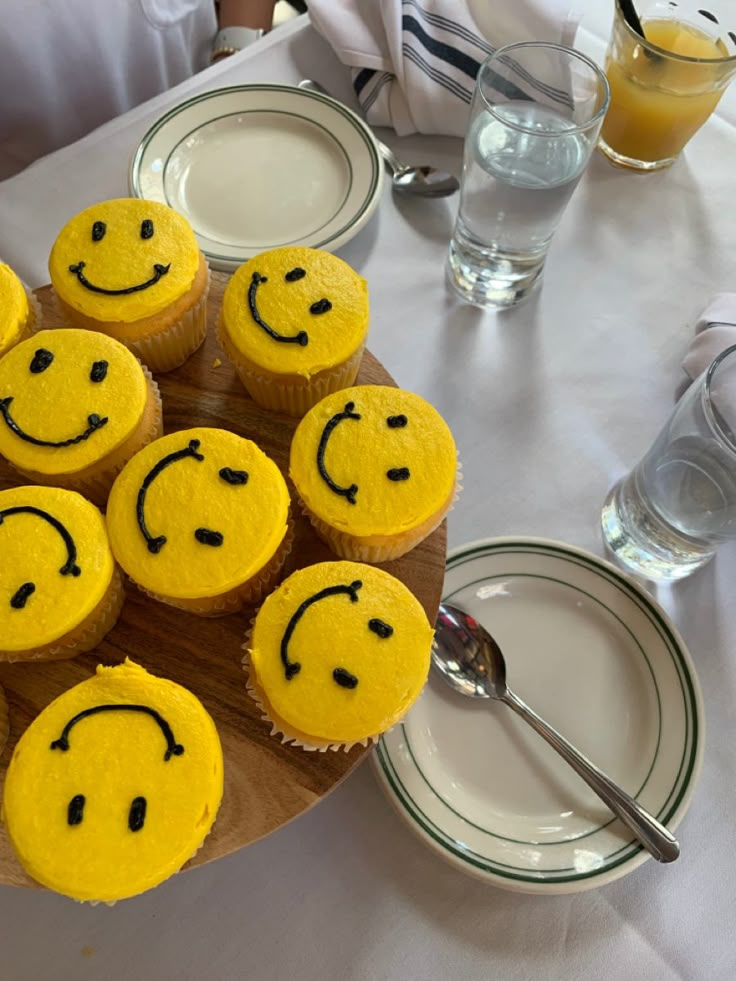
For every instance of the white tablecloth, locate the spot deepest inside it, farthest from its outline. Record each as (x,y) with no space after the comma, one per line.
(549,404)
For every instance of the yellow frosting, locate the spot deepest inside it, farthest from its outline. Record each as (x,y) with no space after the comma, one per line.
(14,309)
(113,757)
(122,259)
(34,550)
(55,404)
(189,494)
(333,336)
(361,452)
(334,633)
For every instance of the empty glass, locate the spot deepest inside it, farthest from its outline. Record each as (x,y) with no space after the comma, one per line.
(670,514)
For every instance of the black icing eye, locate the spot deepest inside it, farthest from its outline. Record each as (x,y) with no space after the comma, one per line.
(231,476)
(146,228)
(40,361)
(205,536)
(98,372)
(320,306)
(75,810)
(383,630)
(396,422)
(137,814)
(344,678)
(294,274)
(398,473)
(98,231)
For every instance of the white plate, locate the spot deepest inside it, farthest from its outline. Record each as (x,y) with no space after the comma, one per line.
(253,167)
(592,653)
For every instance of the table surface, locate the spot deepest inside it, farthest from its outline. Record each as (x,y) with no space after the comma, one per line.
(549,404)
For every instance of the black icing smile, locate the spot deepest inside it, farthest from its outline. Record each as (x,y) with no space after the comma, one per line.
(159,271)
(95,423)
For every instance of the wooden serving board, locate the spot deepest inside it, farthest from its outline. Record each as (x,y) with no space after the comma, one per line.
(266,782)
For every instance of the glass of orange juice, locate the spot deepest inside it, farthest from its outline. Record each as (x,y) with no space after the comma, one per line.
(664,86)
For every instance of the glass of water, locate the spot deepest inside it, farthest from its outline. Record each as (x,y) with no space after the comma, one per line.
(669,515)
(534,122)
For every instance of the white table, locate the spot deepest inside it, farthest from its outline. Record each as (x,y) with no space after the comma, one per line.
(549,404)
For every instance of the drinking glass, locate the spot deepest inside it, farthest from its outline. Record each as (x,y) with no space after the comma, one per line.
(669,515)
(534,122)
(665,87)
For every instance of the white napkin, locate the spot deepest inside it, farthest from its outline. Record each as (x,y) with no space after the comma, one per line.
(414,63)
(715,330)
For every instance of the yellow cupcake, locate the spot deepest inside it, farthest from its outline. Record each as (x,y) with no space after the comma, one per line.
(132,269)
(60,591)
(338,654)
(114,786)
(74,407)
(19,313)
(294,322)
(199,519)
(375,468)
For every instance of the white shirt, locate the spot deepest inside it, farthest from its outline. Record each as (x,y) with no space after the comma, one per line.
(66,66)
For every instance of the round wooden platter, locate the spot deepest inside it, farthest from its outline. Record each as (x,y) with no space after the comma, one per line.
(266,782)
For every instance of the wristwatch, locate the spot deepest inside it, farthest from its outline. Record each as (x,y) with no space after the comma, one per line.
(230,40)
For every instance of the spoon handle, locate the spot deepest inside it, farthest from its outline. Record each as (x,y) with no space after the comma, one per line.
(653,836)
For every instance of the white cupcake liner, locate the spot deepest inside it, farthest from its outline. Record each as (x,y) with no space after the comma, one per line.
(96,486)
(297,397)
(348,546)
(102,619)
(253,591)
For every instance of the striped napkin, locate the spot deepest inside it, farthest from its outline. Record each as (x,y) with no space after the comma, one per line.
(414,63)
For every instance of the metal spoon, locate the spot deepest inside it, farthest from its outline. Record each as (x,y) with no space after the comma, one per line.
(471,662)
(426,182)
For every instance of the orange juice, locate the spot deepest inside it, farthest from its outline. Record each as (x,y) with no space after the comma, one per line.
(659,102)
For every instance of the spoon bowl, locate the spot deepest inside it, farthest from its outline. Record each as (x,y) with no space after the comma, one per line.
(420,181)
(472,663)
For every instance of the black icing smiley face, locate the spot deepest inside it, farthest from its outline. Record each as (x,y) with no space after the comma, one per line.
(67,397)
(316,309)
(97,233)
(340,675)
(40,362)
(197,513)
(374,460)
(295,309)
(123,260)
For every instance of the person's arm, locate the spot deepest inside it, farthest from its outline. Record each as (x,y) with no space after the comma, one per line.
(240,22)
(246,13)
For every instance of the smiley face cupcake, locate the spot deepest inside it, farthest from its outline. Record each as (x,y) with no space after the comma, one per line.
(114,786)
(294,323)
(132,269)
(74,407)
(376,469)
(60,591)
(19,311)
(200,519)
(338,654)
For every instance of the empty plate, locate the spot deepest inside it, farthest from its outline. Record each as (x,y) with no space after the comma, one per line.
(595,656)
(253,167)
